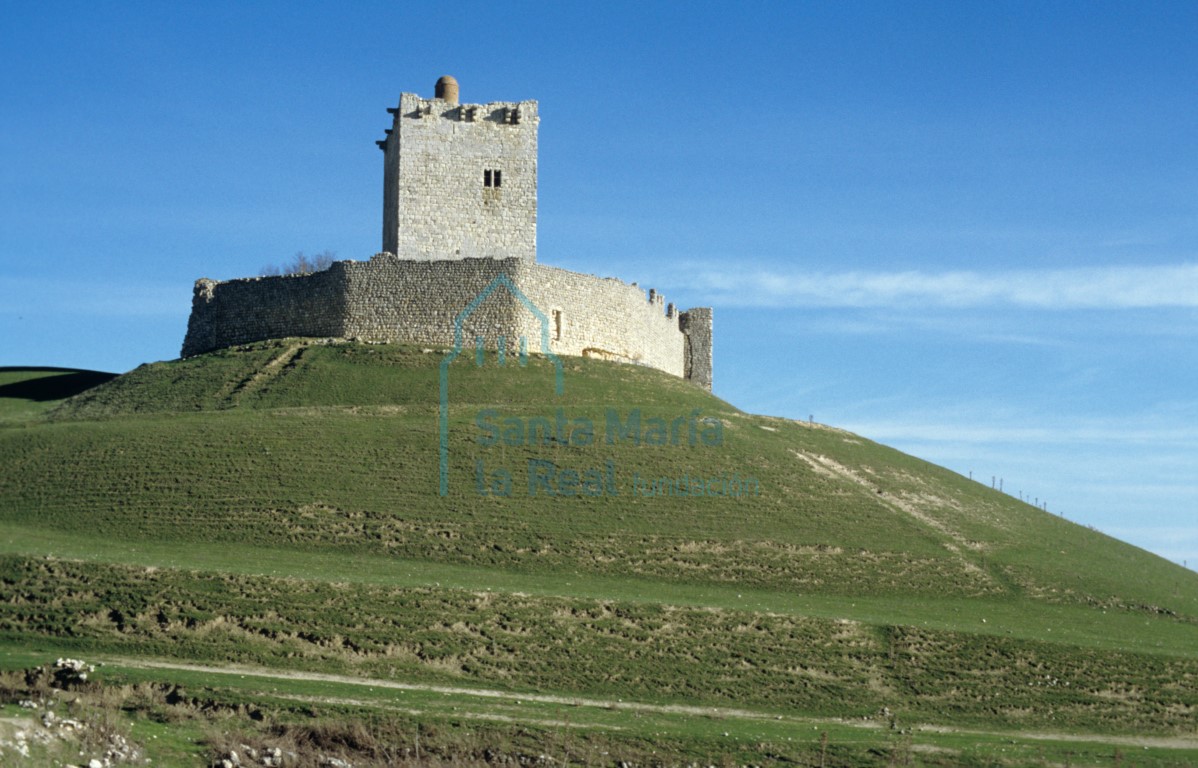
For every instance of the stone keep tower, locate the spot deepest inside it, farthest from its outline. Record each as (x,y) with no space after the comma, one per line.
(460,180)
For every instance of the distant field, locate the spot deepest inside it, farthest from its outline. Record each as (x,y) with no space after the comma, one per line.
(28,392)
(277,506)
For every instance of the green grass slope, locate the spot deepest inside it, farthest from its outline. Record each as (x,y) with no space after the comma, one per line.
(335,447)
(278,505)
(28,392)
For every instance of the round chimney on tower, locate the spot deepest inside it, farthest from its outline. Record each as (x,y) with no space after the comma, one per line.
(447,89)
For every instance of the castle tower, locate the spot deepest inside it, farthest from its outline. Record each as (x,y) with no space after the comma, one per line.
(460,180)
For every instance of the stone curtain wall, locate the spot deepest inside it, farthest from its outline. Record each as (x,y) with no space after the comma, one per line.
(435,203)
(416,302)
(697,326)
(605,318)
(239,311)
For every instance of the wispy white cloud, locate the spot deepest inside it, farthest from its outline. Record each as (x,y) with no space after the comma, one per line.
(1095,432)
(1144,453)
(1054,289)
(874,322)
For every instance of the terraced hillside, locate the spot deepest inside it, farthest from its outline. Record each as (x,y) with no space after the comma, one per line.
(629,570)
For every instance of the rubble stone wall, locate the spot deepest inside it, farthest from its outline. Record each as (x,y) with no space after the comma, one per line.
(420,302)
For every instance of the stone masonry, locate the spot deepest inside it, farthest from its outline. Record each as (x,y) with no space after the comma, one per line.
(460,180)
(451,227)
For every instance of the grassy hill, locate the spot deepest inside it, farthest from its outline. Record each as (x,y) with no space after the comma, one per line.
(277,506)
(28,392)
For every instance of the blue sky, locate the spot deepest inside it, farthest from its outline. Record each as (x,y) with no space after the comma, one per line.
(967,230)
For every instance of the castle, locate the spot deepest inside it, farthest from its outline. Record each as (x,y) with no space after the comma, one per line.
(459,211)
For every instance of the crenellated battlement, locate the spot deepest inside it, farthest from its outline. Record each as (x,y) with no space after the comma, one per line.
(496,113)
(460,180)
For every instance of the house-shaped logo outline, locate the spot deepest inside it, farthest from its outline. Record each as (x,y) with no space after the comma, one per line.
(443,415)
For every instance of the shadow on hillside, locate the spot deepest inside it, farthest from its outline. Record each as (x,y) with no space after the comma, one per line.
(60,384)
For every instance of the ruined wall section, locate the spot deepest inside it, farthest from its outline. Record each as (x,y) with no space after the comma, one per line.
(460,180)
(417,302)
(407,301)
(224,314)
(696,325)
(604,318)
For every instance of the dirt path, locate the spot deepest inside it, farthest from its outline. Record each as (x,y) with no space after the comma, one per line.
(486,693)
(265,374)
(1160,742)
